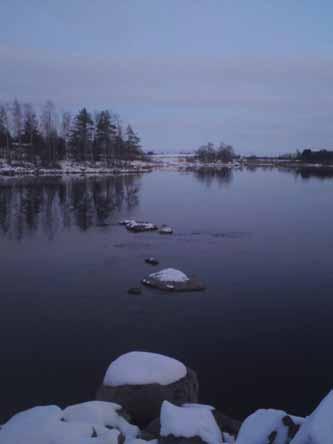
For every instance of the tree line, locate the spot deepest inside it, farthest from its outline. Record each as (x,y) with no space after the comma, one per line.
(210,153)
(48,137)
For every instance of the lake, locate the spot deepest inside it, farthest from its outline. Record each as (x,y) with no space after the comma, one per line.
(261,335)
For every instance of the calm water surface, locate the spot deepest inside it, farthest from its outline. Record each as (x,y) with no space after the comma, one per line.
(261,335)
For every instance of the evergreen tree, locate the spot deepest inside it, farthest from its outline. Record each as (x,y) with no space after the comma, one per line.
(133,147)
(17,121)
(104,137)
(81,138)
(4,133)
(31,135)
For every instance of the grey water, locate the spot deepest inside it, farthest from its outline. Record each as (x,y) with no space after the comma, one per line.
(261,335)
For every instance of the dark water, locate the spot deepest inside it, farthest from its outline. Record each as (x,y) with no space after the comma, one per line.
(262,333)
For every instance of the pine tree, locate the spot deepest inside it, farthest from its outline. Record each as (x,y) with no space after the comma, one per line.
(31,135)
(17,121)
(4,132)
(81,138)
(105,137)
(133,147)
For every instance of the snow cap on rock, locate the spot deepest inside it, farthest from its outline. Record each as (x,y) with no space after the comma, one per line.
(169,275)
(141,368)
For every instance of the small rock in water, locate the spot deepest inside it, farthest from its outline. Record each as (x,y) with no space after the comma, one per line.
(170,279)
(134,290)
(138,227)
(165,229)
(152,261)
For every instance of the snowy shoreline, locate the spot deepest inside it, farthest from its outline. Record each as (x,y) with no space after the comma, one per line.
(179,163)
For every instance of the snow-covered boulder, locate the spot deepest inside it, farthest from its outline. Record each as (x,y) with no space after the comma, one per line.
(195,421)
(171,279)
(165,229)
(229,427)
(318,427)
(141,381)
(268,426)
(137,226)
(99,413)
(47,425)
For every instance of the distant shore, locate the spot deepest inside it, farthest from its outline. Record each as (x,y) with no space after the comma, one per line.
(176,162)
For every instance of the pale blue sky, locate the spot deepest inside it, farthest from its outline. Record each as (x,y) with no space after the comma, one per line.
(256,74)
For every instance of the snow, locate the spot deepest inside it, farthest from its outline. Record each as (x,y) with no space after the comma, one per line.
(201,406)
(169,275)
(259,425)
(166,230)
(142,441)
(318,427)
(100,413)
(77,424)
(188,422)
(42,425)
(137,368)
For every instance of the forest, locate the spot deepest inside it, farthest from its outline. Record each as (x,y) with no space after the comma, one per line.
(46,137)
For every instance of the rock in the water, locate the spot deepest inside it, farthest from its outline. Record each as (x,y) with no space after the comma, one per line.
(165,229)
(170,279)
(141,385)
(134,290)
(138,227)
(151,261)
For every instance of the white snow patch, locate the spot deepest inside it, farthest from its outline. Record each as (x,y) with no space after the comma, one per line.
(200,406)
(169,275)
(137,368)
(188,422)
(318,427)
(42,425)
(100,413)
(259,425)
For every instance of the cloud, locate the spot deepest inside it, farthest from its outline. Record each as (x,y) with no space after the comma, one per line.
(263,97)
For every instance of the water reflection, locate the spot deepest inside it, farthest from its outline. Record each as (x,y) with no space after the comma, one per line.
(207,175)
(314,172)
(52,203)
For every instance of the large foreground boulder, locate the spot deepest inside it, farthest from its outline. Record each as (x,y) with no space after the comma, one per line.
(92,422)
(141,381)
(229,427)
(171,279)
(318,427)
(189,424)
(269,426)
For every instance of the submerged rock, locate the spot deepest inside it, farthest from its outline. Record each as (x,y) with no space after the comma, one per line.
(141,381)
(171,279)
(151,261)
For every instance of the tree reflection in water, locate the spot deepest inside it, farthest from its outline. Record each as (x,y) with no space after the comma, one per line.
(50,204)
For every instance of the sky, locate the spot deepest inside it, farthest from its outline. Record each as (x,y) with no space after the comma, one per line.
(254,74)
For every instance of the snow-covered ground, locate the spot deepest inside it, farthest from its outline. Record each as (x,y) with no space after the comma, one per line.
(67,167)
(136,368)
